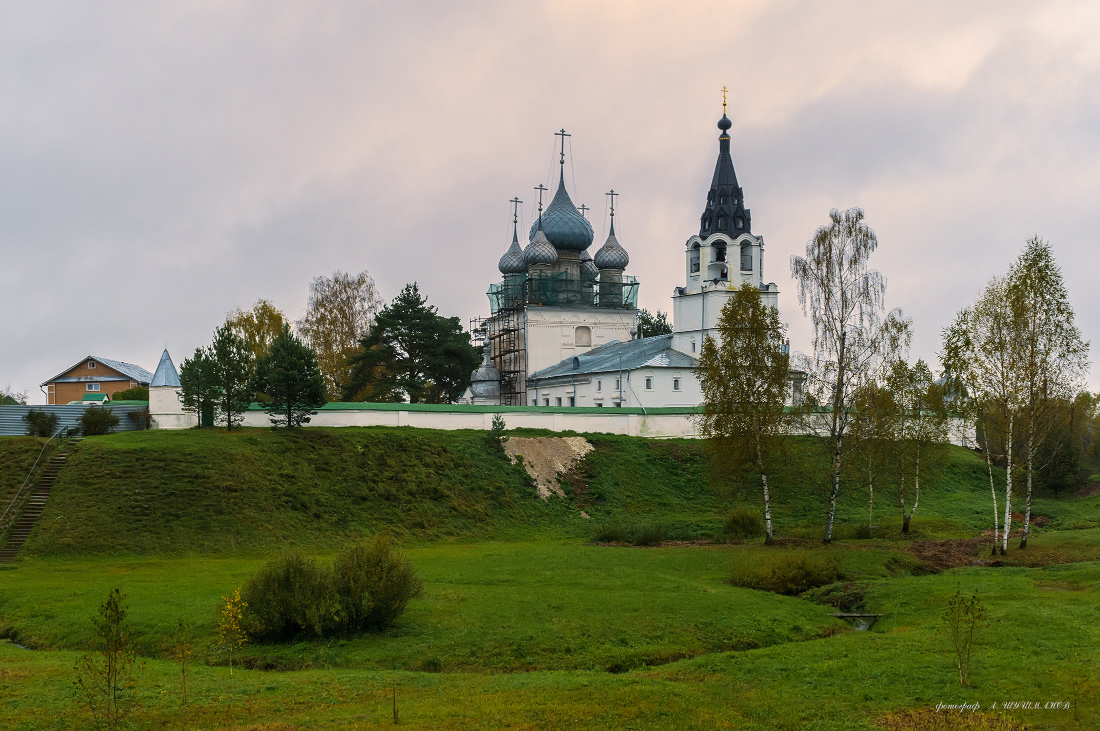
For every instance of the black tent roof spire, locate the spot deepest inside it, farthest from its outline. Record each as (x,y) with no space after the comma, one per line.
(725,210)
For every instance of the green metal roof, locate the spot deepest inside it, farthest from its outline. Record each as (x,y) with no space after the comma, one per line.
(491,409)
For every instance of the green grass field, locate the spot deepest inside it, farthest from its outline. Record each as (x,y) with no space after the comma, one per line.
(524,623)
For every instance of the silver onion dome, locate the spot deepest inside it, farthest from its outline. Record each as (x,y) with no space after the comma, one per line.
(589,271)
(611,255)
(540,250)
(512,262)
(565,227)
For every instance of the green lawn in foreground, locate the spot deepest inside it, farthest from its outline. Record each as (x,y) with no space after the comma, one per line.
(487,606)
(493,607)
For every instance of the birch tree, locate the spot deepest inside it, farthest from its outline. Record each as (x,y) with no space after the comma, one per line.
(852,339)
(920,435)
(745,379)
(339,314)
(872,439)
(1052,358)
(980,361)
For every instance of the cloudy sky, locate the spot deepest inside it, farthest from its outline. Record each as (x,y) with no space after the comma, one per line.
(162,164)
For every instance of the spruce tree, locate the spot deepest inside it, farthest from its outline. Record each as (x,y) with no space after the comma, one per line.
(289,375)
(232,367)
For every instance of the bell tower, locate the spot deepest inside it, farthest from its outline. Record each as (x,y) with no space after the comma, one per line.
(718,260)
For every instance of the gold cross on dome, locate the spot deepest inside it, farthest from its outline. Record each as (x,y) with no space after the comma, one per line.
(724,90)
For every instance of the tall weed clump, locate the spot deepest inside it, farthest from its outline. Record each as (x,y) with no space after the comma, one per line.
(616,530)
(743,524)
(366,588)
(788,572)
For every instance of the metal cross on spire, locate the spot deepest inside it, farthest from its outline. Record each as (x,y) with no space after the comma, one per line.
(515,209)
(563,134)
(724,90)
(541,188)
(612,194)
(583,209)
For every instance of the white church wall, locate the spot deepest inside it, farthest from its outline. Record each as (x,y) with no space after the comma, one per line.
(551,332)
(679,423)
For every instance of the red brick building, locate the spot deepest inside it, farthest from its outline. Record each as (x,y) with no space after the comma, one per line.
(93,375)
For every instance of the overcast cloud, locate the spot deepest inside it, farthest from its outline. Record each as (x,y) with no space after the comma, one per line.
(163,164)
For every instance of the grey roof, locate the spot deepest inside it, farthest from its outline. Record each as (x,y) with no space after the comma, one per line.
(655,352)
(540,251)
(131,371)
(612,255)
(512,261)
(564,225)
(166,374)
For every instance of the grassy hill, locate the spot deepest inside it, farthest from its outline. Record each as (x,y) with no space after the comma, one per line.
(17,456)
(207,491)
(524,622)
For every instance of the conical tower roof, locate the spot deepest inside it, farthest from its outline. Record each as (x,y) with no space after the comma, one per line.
(165,374)
(725,211)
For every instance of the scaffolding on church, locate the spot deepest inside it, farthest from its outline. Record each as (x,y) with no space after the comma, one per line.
(558,289)
(503,330)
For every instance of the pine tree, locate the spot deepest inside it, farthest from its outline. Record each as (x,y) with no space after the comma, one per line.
(412,353)
(289,375)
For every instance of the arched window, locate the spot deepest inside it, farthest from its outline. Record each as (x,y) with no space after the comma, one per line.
(721,222)
(740,222)
(746,258)
(582,336)
(721,200)
(706,222)
(719,252)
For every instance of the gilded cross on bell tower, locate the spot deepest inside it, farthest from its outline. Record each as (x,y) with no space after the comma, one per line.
(724,90)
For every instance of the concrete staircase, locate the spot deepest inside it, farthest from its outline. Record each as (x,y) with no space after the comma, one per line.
(35,504)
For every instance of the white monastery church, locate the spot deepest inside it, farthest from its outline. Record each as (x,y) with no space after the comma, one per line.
(563,324)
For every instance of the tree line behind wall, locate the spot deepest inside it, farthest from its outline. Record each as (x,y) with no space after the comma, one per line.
(349,346)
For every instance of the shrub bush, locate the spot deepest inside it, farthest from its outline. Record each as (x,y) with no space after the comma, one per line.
(137,393)
(288,597)
(742,524)
(372,583)
(140,419)
(40,423)
(367,587)
(97,420)
(786,572)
